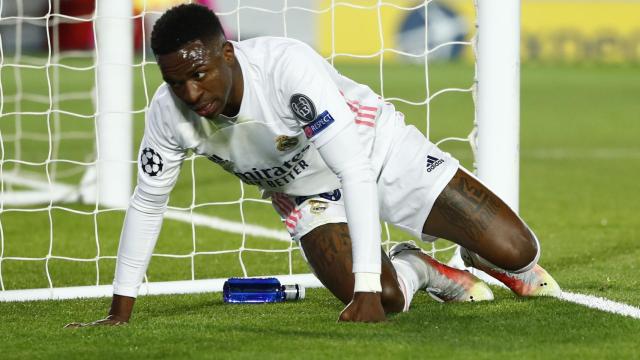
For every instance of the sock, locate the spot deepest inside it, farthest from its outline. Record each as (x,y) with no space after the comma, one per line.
(410,280)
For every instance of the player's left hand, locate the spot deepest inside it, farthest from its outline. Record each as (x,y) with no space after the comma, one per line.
(364,307)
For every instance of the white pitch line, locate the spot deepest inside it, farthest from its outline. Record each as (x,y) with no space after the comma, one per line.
(227,225)
(589,301)
(602,304)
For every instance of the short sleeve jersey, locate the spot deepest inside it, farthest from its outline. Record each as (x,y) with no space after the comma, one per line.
(293,102)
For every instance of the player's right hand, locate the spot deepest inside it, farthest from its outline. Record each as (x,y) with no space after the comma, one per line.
(364,307)
(108,321)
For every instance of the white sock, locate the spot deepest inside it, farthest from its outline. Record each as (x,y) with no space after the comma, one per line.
(410,280)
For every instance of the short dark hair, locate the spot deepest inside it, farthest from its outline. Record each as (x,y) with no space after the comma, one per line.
(182,24)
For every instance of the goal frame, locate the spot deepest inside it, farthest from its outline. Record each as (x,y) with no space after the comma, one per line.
(498,97)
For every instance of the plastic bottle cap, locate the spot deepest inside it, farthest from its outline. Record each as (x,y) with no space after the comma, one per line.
(294,292)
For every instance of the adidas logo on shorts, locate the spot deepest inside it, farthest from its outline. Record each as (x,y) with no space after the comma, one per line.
(433,162)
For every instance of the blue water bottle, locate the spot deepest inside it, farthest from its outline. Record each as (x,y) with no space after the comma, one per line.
(259,290)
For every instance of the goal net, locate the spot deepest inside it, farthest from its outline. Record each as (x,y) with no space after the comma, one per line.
(73,95)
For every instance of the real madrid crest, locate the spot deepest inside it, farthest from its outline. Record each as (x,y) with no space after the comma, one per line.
(284,143)
(317,207)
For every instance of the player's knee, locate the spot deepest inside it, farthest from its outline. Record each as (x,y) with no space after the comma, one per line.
(530,253)
(392,298)
(522,251)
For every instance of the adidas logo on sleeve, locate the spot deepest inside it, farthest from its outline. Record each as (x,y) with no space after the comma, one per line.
(433,162)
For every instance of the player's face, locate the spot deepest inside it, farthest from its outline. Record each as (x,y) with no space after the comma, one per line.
(201,75)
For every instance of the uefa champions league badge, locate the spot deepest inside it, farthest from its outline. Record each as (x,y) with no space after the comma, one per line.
(151,162)
(302,107)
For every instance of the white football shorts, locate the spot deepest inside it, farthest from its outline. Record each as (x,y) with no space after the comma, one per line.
(413,175)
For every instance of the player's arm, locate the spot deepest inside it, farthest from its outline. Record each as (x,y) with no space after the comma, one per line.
(333,132)
(347,158)
(159,162)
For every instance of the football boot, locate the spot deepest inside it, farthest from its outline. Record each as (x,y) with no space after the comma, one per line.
(443,283)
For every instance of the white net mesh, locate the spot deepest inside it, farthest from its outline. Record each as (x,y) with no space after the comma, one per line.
(53,234)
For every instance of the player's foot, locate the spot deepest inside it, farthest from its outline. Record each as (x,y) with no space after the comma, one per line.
(444,283)
(534,282)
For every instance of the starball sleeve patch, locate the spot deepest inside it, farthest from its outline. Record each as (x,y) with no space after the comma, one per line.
(151,162)
(302,107)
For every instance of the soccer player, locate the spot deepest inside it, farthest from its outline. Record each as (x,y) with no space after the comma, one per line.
(333,157)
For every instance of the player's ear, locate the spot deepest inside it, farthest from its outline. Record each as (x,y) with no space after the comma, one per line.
(228,53)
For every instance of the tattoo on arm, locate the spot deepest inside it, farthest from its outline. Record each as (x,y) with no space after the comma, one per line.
(469,207)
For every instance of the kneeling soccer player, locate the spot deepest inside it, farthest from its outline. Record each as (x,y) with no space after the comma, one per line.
(333,157)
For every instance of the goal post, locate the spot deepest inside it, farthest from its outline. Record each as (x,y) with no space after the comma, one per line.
(114,101)
(498,97)
(103,183)
(496,137)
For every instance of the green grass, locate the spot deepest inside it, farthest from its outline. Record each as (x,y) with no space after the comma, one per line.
(202,326)
(579,191)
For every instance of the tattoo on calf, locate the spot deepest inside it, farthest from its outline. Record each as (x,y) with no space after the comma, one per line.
(469,207)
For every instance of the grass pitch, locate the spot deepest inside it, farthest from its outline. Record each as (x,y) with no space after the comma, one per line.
(580,163)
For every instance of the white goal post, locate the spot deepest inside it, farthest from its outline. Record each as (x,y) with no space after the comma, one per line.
(106,181)
(498,97)
(114,101)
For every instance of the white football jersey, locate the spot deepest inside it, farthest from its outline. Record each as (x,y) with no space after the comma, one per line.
(293,102)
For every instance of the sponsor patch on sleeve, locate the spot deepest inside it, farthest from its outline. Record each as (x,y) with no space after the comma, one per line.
(320,123)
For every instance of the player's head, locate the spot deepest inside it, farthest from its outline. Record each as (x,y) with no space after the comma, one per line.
(195,59)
